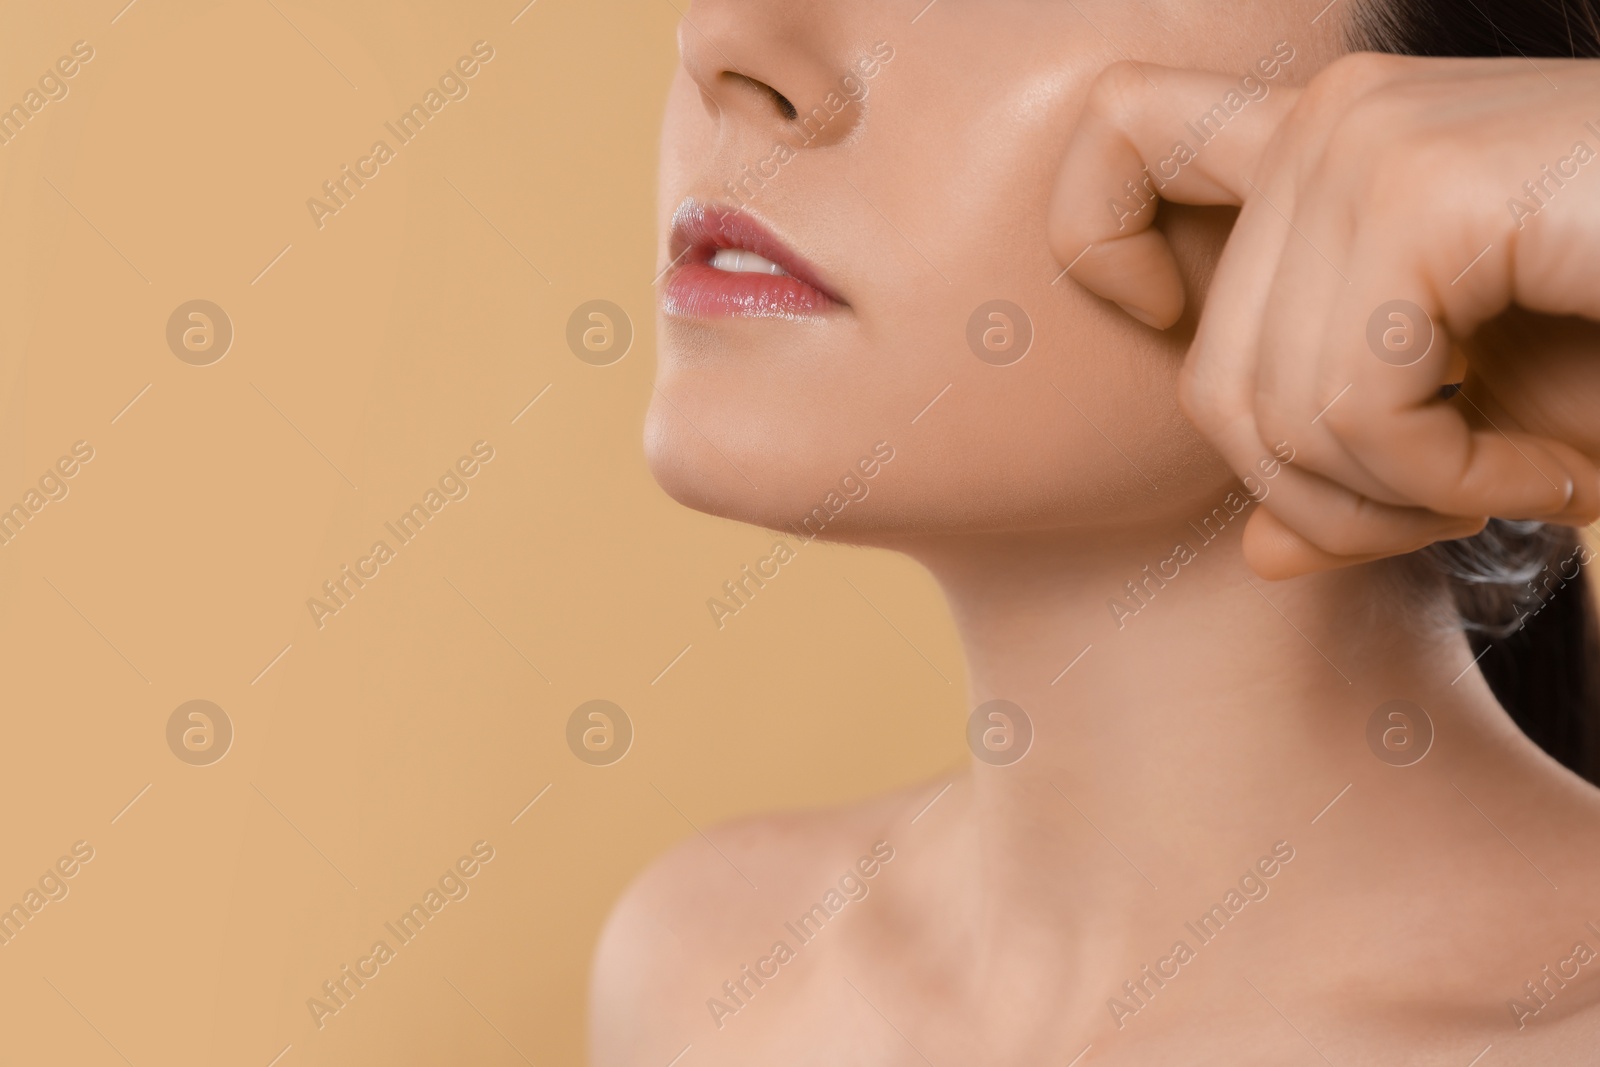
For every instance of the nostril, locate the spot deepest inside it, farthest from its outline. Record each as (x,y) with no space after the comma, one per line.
(783,103)
(785,108)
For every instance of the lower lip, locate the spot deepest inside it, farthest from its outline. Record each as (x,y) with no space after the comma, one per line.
(699,290)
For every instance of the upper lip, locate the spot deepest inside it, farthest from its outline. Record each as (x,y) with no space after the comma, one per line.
(703,228)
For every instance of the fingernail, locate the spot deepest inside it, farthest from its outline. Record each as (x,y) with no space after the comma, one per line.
(1570,517)
(1143,316)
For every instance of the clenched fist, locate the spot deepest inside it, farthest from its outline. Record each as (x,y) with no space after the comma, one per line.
(1410,296)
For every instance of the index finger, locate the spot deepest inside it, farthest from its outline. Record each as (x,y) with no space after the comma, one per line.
(1149,133)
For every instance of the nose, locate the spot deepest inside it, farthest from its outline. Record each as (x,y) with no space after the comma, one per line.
(776,67)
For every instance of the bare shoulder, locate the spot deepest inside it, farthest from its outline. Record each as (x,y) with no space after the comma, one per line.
(711,904)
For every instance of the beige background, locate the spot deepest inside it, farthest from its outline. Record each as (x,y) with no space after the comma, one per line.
(425,715)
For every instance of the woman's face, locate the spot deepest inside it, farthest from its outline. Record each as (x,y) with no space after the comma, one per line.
(905,195)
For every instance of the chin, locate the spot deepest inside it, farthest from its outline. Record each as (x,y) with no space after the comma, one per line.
(685,468)
(695,474)
(800,488)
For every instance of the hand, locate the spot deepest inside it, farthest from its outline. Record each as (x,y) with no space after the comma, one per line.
(1377,213)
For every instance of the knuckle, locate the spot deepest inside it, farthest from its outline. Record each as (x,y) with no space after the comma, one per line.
(1198,399)
(1344,420)
(1357,526)
(1355,75)
(1347,110)
(1383,141)
(1117,92)
(1343,536)
(1273,423)
(1364,130)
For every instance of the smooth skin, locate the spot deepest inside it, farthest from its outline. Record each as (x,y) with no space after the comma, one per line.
(1176,744)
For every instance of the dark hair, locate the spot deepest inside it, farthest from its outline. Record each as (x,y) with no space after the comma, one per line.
(1528,608)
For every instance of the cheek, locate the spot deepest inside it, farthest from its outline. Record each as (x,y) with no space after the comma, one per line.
(1076,433)
(758,424)
(1082,424)
(947,215)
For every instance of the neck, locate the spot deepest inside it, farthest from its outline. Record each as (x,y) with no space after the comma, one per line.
(1183,710)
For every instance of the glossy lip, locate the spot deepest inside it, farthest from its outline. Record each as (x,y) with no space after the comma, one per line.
(695,289)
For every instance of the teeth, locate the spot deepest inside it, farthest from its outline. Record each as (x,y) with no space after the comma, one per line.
(738,261)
